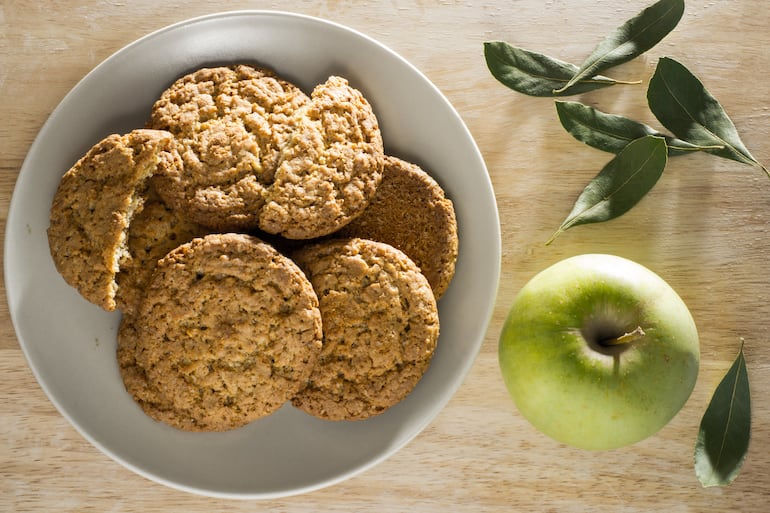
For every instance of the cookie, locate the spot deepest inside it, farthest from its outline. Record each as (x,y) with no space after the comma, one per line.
(153,232)
(380,328)
(94,204)
(231,122)
(227,332)
(330,168)
(411,212)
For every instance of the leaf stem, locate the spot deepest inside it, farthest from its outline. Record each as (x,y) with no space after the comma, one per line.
(553,237)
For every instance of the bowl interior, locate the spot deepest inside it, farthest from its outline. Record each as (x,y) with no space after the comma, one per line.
(70,344)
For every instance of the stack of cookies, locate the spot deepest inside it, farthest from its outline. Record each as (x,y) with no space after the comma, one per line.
(262,249)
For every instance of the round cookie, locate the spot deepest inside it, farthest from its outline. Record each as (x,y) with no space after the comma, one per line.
(94,204)
(231,123)
(228,331)
(380,328)
(153,232)
(330,167)
(411,212)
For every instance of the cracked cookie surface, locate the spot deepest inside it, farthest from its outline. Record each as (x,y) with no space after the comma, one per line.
(330,167)
(380,328)
(230,122)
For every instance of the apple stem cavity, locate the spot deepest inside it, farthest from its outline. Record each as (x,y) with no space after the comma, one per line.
(625,338)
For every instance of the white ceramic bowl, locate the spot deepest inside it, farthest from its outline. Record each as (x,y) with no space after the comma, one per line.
(70,344)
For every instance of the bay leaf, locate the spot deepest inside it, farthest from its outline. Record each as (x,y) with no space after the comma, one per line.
(725,430)
(630,40)
(611,132)
(620,185)
(683,105)
(535,74)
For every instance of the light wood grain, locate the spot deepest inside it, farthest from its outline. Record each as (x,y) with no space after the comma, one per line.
(704,228)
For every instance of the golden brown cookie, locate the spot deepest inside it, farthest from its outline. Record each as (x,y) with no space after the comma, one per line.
(380,328)
(153,232)
(330,167)
(411,212)
(228,331)
(94,204)
(231,122)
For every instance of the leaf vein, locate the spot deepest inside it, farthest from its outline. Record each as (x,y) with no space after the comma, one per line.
(607,197)
(631,41)
(695,119)
(729,415)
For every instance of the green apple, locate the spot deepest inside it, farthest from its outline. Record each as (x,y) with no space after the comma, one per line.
(599,352)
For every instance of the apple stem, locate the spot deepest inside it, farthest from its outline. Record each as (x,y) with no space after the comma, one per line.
(625,338)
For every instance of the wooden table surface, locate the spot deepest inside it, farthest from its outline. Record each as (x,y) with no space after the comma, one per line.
(704,228)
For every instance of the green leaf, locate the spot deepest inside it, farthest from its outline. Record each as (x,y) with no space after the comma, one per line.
(684,106)
(620,185)
(632,39)
(612,133)
(725,430)
(535,74)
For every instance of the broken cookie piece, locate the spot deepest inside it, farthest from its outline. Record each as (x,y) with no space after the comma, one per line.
(94,204)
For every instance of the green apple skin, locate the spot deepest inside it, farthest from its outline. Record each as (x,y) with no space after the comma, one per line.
(585,393)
